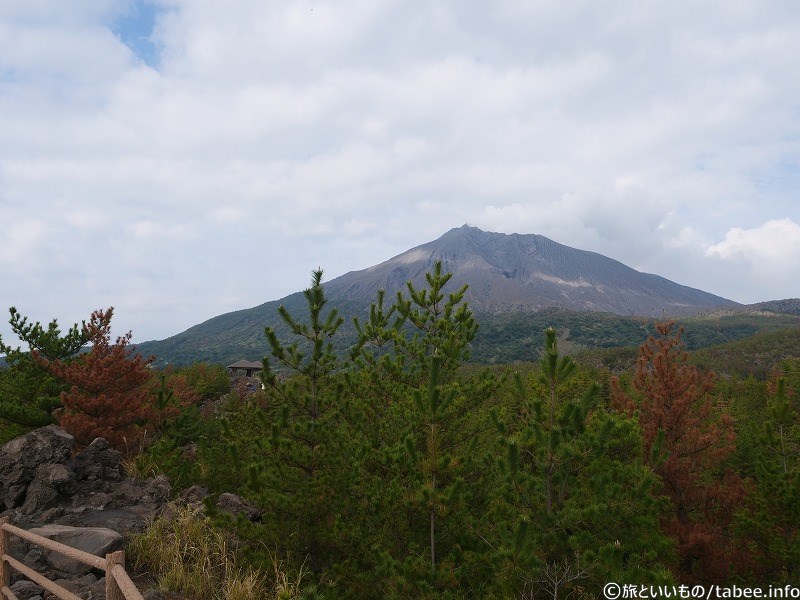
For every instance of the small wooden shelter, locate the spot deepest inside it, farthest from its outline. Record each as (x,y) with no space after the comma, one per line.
(244,368)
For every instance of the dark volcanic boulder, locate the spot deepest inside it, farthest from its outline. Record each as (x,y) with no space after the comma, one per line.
(25,590)
(43,483)
(94,540)
(98,461)
(236,505)
(50,483)
(82,500)
(21,457)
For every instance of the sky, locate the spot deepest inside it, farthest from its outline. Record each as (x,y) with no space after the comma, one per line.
(179,159)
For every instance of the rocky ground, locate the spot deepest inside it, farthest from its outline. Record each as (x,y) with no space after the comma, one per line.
(84,500)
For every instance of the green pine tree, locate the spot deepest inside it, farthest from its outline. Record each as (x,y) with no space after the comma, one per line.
(28,393)
(294,448)
(422,426)
(574,508)
(772,521)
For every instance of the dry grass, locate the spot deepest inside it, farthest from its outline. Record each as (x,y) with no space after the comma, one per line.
(188,555)
(285,588)
(139,467)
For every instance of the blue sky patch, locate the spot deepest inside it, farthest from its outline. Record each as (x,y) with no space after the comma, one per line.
(135,29)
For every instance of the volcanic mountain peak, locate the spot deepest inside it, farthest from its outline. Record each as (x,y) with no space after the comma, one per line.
(505,274)
(511,272)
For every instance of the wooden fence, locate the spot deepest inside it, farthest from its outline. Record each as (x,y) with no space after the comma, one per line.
(118,584)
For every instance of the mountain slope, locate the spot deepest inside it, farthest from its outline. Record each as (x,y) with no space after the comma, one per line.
(508,273)
(505,273)
(787,306)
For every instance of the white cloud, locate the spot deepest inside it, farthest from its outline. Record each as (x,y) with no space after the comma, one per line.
(774,241)
(686,237)
(21,242)
(343,133)
(86,219)
(228,214)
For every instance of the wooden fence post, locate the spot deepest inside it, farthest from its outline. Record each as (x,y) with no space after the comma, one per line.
(5,548)
(113,591)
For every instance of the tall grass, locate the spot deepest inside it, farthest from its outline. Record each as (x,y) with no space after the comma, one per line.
(188,555)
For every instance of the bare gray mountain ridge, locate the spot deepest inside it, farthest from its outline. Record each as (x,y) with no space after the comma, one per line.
(509,273)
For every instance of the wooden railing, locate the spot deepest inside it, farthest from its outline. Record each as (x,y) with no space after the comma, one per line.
(118,584)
